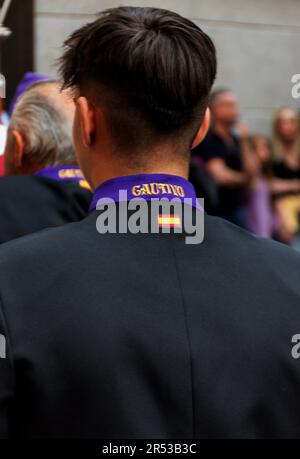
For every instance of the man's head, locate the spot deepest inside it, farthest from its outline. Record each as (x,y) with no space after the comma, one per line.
(40,130)
(141,80)
(224,108)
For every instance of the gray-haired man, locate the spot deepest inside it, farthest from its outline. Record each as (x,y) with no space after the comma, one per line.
(43,186)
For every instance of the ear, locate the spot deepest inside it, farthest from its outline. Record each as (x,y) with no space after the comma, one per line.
(86,113)
(18,149)
(203,129)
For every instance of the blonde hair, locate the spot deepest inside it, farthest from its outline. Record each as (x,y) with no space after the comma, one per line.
(277,143)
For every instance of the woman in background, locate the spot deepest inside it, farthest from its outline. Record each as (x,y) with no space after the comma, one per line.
(286,144)
(286,169)
(264,213)
(260,215)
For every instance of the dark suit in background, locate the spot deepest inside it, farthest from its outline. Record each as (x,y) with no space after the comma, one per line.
(30,203)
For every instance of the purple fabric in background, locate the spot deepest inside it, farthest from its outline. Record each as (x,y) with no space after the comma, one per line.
(28,79)
(61,173)
(260,218)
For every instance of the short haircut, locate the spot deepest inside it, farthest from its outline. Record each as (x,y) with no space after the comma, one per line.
(151,69)
(47,131)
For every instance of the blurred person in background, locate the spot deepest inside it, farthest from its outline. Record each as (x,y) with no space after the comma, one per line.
(43,186)
(286,148)
(260,215)
(204,185)
(222,153)
(286,144)
(28,79)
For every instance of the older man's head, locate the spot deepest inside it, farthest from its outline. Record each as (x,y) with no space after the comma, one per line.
(40,131)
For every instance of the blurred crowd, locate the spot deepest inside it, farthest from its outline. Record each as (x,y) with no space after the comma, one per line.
(248,178)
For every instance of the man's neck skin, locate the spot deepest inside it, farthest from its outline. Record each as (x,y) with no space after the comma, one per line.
(102,158)
(101,176)
(105,170)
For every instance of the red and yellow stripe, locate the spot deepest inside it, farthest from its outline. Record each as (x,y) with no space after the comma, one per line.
(172,221)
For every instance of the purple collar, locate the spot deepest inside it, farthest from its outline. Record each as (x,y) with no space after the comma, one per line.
(61,173)
(148,187)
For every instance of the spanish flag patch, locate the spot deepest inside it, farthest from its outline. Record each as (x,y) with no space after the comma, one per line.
(170,221)
(84,184)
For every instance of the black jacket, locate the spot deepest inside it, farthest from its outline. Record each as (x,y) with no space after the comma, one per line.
(143,336)
(29,204)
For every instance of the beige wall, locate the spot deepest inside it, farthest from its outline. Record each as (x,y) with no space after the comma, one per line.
(258,43)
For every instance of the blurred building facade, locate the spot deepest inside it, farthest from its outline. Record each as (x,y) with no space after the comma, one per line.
(257,42)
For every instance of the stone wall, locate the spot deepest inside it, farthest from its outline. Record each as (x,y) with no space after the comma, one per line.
(258,44)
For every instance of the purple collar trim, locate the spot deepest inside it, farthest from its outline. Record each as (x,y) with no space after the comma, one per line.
(148,187)
(61,173)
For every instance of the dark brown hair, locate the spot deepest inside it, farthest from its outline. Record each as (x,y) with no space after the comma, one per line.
(151,68)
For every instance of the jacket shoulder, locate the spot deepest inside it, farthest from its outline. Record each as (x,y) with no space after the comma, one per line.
(252,254)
